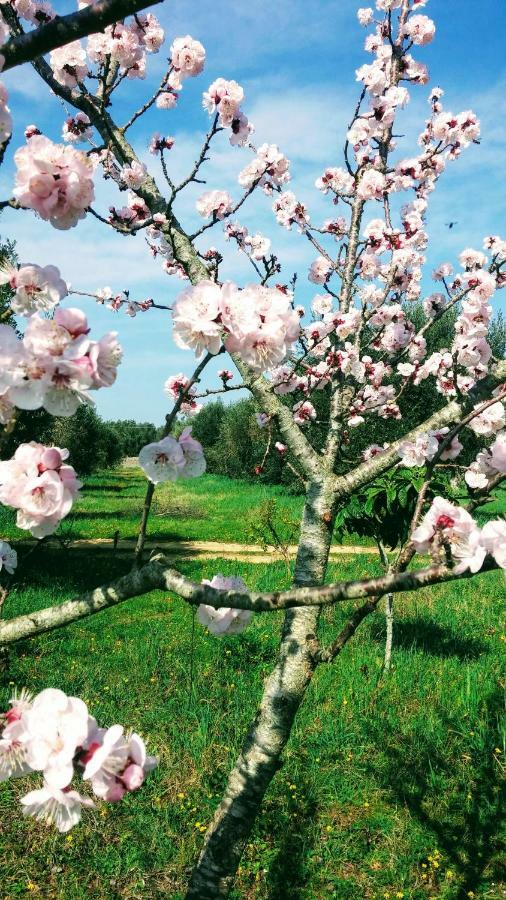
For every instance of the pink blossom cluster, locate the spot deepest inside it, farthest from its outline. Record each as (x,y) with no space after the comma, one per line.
(269,169)
(77,129)
(38,12)
(55,363)
(36,288)
(488,464)
(170,459)
(40,486)
(127,44)
(8,557)
(55,735)
(446,525)
(175,386)
(425,447)
(5,116)
(290,211)
(135,212)
(224,620)
(69,64)
(188,57)
(54,180)
(225,98)
(214,205)
(257,246)
(258,323)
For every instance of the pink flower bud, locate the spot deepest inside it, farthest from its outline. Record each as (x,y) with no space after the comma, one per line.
(50,459)
(133,777)
(116,792)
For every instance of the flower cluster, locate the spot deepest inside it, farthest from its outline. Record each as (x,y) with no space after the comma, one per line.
(224,620)
(214,204)
(54,180)
(170,459)
(424,448)
(55,363)
(36,288)
(40,486)
(254,245)
(77,129)
(54,734)
(258,323)
(269,169)
(488,464)
(175,386)
(69,64)
(452,527)
(127,44)
(225,97)
(188,57)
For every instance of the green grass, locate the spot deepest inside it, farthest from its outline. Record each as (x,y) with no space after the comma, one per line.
(210,508)
(389,787)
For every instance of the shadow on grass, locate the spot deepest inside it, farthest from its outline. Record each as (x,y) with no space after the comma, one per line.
(466,826)
(424,636)
(287,873)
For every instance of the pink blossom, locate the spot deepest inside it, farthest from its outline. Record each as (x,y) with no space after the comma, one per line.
(420,29)
(55,726)
(365,16)
(493,540)
(37,289)
(337,180)
(224,97)
(490,421)
(419,451)
(175,384)
(303,412)
(166,100)
(195,316)
(77,129)
(372,185)
(52,805)
(448,524)
(162,460)
(320,270)
(194,461)
(42,494)
(260,324)
(134,174)
(54,180)
(188,58)
(224,620)
(214,204)
(289,210)
(69,64)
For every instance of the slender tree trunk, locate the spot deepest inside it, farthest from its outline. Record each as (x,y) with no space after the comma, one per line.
(389,619)
(284,691)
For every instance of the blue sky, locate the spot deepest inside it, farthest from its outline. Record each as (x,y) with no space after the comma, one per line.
(296,60)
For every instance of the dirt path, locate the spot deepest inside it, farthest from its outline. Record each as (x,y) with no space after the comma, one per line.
(205,549)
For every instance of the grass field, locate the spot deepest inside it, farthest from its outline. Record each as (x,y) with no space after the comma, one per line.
(390,787)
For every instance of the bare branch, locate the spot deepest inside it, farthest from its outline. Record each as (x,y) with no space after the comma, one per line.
(65,29)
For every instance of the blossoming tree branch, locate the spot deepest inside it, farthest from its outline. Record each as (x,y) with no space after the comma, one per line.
(357,349)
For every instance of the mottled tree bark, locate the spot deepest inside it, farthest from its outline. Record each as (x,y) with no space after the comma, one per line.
(284,691)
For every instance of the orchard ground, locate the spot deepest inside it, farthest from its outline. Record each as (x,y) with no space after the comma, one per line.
(391,786)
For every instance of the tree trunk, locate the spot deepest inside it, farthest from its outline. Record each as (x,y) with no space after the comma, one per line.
(389,619)
(269,732)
